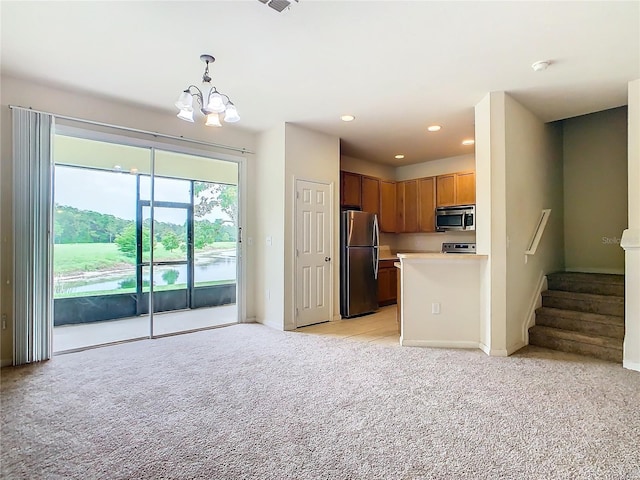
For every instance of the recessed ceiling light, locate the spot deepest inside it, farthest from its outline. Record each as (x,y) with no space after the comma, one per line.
(434,128)
(468,141)
(347,118)
(399,156)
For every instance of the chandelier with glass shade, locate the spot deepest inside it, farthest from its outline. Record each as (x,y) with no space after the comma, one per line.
(210,101)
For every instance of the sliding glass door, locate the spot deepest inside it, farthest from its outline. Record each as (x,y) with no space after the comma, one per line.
(145,242)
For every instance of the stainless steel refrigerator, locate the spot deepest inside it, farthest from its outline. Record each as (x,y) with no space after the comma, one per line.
(359,236)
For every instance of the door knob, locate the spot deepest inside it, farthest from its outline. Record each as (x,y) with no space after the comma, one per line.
(327,259)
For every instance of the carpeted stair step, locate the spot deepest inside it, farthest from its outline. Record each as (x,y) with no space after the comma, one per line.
(584,302)
(590,323)
(596,283)
(605,348)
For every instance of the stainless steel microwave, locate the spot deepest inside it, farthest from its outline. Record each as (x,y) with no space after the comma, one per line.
(460,217)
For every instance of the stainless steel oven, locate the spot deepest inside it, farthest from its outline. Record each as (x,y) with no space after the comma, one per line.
(461,217)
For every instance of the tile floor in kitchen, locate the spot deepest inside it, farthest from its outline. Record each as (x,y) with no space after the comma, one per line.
(379,327)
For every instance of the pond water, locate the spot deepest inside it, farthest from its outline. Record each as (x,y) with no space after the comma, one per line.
(215,269)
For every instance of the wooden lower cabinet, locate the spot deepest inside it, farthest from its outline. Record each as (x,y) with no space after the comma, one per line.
(387,283)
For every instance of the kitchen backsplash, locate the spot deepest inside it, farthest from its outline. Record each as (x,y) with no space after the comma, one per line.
(419,242)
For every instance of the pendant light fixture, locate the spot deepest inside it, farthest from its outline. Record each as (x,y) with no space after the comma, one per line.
(212,103)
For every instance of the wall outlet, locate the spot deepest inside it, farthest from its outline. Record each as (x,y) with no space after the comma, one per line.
(269,241)
(268,294)
(435,308)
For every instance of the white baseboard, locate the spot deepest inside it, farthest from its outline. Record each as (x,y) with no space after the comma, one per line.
(438,343)
(498,353)
(5,362)
(492,352)
(250,320)
(631,365)
(272,324)
(514,348)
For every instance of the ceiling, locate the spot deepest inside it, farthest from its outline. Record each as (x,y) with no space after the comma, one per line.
(397,66)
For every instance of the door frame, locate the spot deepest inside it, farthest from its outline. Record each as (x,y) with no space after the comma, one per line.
(294,235)
(146,140)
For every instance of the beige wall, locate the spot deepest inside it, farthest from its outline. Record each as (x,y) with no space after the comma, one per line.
(518,173)
(269,241)
(436,167)
(533,183)
(491,225)
(81,105)
(365,167)
(289,152)
(426,282)
(595,186)
(311,156)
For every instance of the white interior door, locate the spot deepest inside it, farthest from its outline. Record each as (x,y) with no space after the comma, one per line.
(313,253)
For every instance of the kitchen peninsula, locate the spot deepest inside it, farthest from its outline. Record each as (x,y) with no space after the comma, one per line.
(440,299)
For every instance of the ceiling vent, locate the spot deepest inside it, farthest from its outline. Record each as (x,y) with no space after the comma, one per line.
(277,5)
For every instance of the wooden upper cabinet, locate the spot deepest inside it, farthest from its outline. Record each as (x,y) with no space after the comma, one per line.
(466,188)
(350,189)
(388,212)
(446,190)
(426,204)
(456,189)
(371,195)
(407,205)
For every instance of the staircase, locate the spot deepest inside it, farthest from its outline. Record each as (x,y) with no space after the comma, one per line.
(582,313)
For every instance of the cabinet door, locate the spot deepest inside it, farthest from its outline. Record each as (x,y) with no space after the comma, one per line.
(411,206)
(446,190)
(387,206)
(407,198)
(426,204)
(350,185)
(466,188)
(371,195)
(387,286)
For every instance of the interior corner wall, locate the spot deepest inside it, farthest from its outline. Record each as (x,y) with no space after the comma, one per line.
(491,224)
(595,185)
(269,242)
(311,156)
(19,92)
(533,159)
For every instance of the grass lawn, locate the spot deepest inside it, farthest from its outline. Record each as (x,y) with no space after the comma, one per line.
(91,257)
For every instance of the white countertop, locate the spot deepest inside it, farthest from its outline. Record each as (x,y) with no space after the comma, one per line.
(440,256)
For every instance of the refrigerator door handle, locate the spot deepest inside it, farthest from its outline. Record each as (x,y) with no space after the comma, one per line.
(376,231)
(376,239)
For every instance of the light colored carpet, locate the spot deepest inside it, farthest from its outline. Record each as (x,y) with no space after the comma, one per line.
(250,402)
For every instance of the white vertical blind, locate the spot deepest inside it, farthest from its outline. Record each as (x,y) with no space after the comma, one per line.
(32,190)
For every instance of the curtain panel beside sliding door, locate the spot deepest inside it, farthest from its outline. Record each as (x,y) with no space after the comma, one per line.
(32,185)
